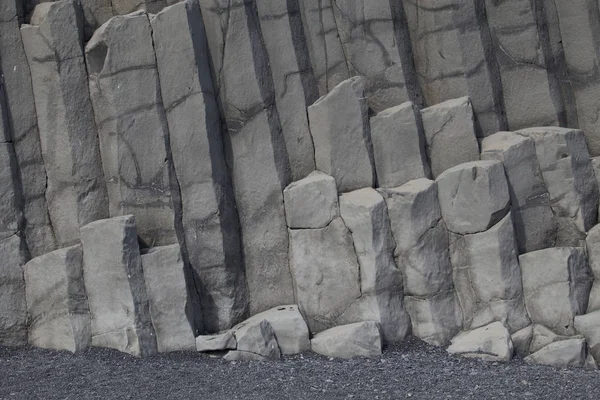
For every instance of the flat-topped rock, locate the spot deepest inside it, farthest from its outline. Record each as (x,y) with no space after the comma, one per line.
(490,343)
(361,339)
(311,202)
(562,354)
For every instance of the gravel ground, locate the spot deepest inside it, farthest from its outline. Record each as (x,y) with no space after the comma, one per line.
(410,370)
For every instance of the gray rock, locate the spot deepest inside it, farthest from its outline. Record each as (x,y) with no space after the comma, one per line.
(592,242)
(326,273)
(255,340)
(556,285)
(57,302)
(569,176)
(209,217)
(218,342)
(116,289)
(487,277)
(590,362)
(489,343)
(167,295)
(294,83)
(11,213)
(535,225)
(132,127)
(399,146)
(95,13)
(542,337)
(562,354)
(339,124)
(589,326)
(473,196)
(522,340)
(324,47)
(76,192)
(121,7)
(13,304)
(361,339)
(311,202)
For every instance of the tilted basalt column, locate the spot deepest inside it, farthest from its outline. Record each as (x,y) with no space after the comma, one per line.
(76,191)
(132,126)
(21,120)
(255,146)
(210,222)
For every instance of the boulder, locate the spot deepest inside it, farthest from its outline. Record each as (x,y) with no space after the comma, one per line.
(535,225)
(116,289)
(473,196)
(562,354)
(522,340)
(489,343)
(339,124)
(168,298)
(399,146)
(590,363)
(57,302)
(435,319)
(13,304)
(556,285)
(217,342)
(542,337)
(208,211)
(450,134)
(312,202)
(129,112)
(569,175)
(592,242)
(589,326)
(255,341)
(361,339)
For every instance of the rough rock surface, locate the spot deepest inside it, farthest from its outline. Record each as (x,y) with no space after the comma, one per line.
(312,202)
(256,340)
(556,285)
(217,342)
(542,337)
(361,339)
(339,124)
(13,304)
(522,340)
(115,286)
(399,146)
(490,343)
(562,354)
(593,251)
(589,326)
(57,302)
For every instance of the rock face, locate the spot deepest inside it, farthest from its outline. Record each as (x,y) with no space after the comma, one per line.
(339,124)
(256,340)
(589,326)
(556,284)
(13,305)
(399,146)
(354,340)
(57,302)
(562,354)
(311,203)
(76,191)
(593,251)
(218,342)
(116,288)
(490,343)
(211,233)
(132,127)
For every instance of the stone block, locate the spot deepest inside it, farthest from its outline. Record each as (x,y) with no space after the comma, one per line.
(312,202)
(489,343)
(361,339)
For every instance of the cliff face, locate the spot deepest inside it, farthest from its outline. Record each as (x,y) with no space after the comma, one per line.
(288,150)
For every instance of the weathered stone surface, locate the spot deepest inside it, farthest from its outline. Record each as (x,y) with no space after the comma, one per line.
(132,127)
(542,337)
(589,326)
(209,217)
(21,121)
(590,363)
(535,225)
(256,340)
(556,285)
(13,305)
(365,214)
(593,252)
(361,339)
(324,47)
(76,192)
(435,319)
(121,7)
(487,277)
(168,297)
(10,205)
(326,273)
(311,202)
(218,342)
(57,302)
(339,124)
(490,343)
(375,47)
(569,176)
(450,134)
(255,146)
(399,146)
(473,196)
(288,325)
(522,340)
(294,83)
(565,353)
(115,286)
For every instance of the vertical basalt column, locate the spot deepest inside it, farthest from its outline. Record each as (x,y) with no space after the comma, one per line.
(76,191)
(132,126)
(255,146)
(21,122)
(121,7)
(210,222)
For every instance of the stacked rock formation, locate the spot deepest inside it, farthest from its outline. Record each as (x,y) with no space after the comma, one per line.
(264,177)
